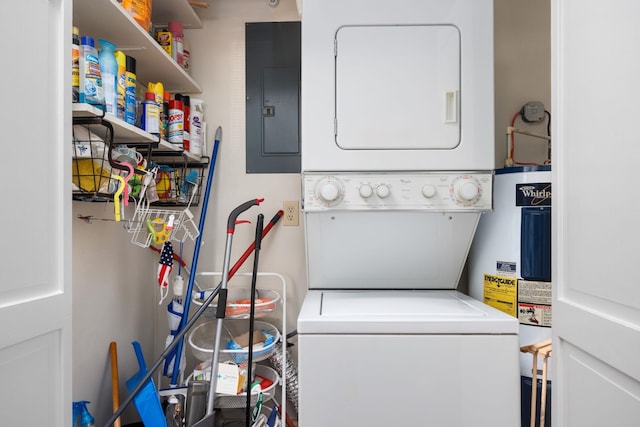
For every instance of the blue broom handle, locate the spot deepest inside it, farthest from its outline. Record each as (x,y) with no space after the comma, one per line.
(196,253)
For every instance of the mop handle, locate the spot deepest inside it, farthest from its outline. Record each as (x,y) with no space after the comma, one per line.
(249,417)
(222,297)
(177,339)
(231,228)
(233,216)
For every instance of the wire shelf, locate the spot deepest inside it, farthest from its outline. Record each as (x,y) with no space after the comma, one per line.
(150,225)
(98,163)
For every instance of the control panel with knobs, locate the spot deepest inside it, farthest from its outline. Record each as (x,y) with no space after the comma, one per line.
(430,191)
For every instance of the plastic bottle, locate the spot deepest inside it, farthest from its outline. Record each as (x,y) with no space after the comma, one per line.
(165,116)
(75,64)
(176,122)
(151,114)
(109,72)
(121,60)
(158,92)
(140,10)
(186,108)
(81,415)
(197,117)
(175,28)
(130,90)
(186,56)
(91,91)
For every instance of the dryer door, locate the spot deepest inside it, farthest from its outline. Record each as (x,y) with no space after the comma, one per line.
(397,87)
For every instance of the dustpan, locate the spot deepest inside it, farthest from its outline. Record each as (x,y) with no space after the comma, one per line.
(147,400)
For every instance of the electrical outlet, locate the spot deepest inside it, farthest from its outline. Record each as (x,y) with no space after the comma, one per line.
(291,212)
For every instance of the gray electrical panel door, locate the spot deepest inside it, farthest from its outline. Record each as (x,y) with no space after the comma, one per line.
(273,97)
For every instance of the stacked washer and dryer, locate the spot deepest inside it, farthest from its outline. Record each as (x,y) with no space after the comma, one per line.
(397,169)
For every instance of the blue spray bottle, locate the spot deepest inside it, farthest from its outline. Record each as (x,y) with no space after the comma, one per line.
(81,415)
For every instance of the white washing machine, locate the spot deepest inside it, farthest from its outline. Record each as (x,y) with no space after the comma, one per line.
(405,358)
(397,168)
(384,339)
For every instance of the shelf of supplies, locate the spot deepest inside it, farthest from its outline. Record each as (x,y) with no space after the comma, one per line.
(107,19)
(128,134)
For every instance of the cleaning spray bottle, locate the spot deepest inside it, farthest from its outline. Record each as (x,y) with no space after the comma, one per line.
(81,415)
(130,90)
(109,73)
(196,117)
(122,83)
(158,91)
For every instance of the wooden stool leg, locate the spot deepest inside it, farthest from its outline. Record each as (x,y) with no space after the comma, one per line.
(534,388)
(543,397)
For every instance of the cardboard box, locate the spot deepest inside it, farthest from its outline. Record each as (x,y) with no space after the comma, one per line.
(165,40)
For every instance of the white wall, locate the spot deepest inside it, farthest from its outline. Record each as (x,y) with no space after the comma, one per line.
(113,300)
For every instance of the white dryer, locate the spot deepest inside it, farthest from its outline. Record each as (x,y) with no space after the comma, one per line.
(397,85)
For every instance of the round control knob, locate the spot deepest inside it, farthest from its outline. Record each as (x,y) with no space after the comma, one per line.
(466,190)
(365,191)
(428,191)
(329,191)
(383,191)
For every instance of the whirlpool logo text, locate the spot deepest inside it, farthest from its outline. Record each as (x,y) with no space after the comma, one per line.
(538,194)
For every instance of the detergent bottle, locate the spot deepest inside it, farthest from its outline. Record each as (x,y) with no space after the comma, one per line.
(81,415)
(91,91)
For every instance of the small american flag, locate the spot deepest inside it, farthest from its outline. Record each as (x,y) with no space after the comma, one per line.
(166,264)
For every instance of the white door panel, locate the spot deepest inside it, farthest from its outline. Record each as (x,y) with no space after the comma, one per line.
(35,279)
(612,398)
(32,368)
(595,88)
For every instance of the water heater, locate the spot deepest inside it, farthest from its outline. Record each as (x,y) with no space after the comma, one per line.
(510,259)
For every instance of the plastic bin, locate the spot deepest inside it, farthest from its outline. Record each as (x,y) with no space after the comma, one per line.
(238,303)
(202,338)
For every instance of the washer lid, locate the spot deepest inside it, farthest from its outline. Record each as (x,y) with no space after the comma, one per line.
(400,311)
